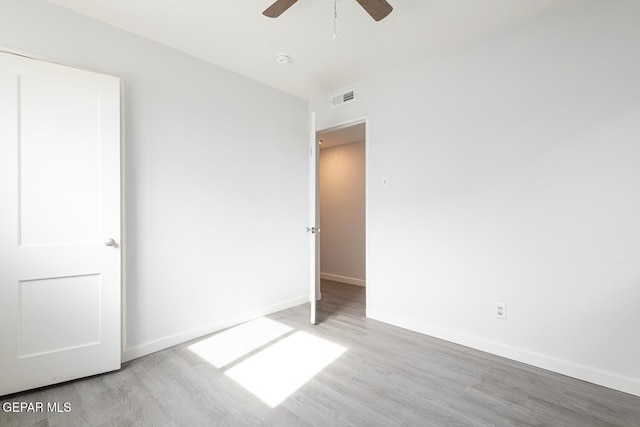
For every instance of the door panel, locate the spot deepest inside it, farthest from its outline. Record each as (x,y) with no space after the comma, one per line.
(71,165)
(314,223)
(60,195)
(74,321)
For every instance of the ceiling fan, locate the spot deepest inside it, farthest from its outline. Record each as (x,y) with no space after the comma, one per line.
(378,9)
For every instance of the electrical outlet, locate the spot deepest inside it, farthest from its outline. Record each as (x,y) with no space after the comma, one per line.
(501,310)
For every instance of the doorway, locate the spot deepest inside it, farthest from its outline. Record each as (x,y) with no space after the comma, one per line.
(342,201)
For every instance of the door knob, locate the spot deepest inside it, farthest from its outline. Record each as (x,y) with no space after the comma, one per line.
(110,242)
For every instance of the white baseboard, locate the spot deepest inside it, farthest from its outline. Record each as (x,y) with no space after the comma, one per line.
(581,372)
(169,341)
(343,279)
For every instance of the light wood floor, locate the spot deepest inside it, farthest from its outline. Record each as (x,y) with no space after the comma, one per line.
(387,376)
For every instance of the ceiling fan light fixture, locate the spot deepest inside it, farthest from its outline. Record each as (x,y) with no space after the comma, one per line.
(377,9)
(282,58)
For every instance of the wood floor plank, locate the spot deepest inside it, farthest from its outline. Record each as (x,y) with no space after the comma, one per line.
(387,376)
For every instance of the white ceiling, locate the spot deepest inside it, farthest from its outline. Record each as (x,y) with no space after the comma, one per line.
(235,35)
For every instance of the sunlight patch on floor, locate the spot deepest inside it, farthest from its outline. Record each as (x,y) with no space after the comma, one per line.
(276,372)
(232,344)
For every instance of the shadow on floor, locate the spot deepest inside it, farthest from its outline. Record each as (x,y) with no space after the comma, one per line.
(340,299)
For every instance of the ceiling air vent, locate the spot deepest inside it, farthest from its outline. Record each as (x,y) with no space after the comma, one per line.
(343,98)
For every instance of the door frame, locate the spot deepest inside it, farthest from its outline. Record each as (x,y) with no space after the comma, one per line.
(367,199)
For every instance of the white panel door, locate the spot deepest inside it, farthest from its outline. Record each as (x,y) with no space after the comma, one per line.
(314,219)
(60,262)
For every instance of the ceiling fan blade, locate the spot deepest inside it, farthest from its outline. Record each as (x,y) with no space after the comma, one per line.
(278,8)
(378,9)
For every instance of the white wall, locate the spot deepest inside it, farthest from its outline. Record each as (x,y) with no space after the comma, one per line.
(514,177)
(216,170)
(342,208)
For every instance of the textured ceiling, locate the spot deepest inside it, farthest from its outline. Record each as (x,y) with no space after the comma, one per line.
(235,35)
